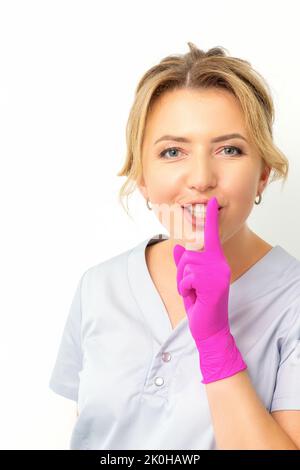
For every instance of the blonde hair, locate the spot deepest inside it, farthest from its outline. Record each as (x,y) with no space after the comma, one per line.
(201,70)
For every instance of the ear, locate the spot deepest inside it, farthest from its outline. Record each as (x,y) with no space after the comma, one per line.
(264,177)
(142,187)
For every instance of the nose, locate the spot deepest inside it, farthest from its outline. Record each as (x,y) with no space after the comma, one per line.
(200,173)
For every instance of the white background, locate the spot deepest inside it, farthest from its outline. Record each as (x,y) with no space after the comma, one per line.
(68,71)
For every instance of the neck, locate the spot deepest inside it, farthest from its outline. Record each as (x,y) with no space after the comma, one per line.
(242,250)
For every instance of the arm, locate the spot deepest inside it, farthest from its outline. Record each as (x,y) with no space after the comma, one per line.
(239,418)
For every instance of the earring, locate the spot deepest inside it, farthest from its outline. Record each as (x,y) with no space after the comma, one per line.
(259,199)
(147,204)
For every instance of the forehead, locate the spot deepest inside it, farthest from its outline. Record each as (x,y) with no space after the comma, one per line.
(202,113)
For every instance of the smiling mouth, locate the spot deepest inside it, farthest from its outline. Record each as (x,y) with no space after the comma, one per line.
(186,207)
(197,219)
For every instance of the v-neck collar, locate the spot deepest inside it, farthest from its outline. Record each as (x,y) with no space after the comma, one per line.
(151,303)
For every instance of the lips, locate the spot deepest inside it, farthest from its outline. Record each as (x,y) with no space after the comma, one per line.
(189,205)
(198,202)
(195,219)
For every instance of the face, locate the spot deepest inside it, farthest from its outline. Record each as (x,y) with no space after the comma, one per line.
(176,173)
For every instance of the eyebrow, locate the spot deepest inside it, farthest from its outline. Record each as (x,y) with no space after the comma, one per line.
(220,138)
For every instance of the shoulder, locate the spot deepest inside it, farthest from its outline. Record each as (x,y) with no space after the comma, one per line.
(288,291)
(110,265)
(290,264)
(113,269)
(289,275)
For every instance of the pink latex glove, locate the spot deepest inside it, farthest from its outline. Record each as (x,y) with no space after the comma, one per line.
(203,280)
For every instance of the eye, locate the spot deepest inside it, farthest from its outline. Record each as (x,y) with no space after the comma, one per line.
(163,153)
(239,151)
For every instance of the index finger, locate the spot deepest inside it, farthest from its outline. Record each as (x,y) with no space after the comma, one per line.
(212,241)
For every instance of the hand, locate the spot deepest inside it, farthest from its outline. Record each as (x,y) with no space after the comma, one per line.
(203,280)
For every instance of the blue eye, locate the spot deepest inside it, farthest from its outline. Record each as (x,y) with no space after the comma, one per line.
(239,152)
(164,152)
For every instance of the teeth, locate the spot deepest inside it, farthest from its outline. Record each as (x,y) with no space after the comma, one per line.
(196,209)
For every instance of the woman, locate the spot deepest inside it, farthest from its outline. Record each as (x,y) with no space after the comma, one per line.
(191,341)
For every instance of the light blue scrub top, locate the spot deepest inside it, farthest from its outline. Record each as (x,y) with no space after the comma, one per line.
(138,382)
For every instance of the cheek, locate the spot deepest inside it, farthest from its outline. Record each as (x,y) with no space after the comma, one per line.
(234,217)
(239,188)
(162,186)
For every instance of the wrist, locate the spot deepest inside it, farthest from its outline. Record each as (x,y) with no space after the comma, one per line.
(219,356)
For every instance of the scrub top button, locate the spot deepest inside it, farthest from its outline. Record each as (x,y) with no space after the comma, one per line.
(166,356)
(159,381)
